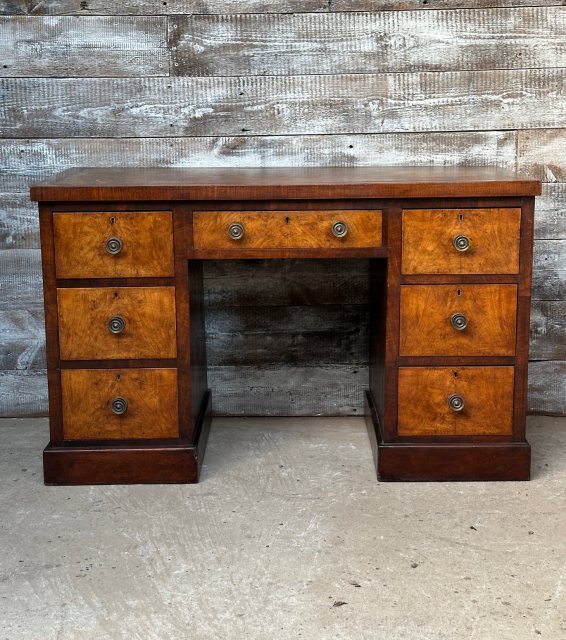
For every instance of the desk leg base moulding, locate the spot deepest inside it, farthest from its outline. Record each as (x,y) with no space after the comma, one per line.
(133,464)
(428,462)
(449,255)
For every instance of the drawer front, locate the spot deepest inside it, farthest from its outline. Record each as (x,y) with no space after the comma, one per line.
(234,230)
(100,404)
(465,401)
(461,241)
(116,323)
(458,320)
(114,244)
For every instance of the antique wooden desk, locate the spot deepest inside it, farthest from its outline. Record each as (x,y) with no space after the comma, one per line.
(450,258)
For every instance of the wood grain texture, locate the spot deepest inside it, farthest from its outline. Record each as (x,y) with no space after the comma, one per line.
(283,183)
(543,156)
(547,387)
(293,44)
(152,7)
(80,244)
(425,320)
(550,212)
(83,46)
(24,162)
(428,241)
(220,7)
(22,339)
(148,313)
(286,230)
(383,103)
(423,401)
(88,395)
(548,330)
(23,393)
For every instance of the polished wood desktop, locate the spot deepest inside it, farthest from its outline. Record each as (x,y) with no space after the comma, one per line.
(450,253)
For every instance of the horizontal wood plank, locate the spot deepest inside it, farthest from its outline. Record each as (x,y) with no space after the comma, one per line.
(170,107)
(542,154)
(83,46)
(547,387)
(23,162)
(273,335)
(550,212)
(288,391)
(153,7)
(23,394)
(19,222)
(22,339)
(548,330)
(21,285)
(383,41)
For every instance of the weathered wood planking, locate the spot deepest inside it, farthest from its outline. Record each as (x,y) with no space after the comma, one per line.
(548,331)
(300,336)
(23,393)
(288,391)
(84,46)
(25,161)
(550,212)
(542,154)
(22,343)
(153,7)
(19,227)
(334,43)
(547,387)
(359,103)
(21,285)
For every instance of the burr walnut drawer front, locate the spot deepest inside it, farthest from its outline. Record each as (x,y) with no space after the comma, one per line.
(101,404)
(462,401)
(459,319)
(113,244)
(116,323)
(233,230)
(461,241)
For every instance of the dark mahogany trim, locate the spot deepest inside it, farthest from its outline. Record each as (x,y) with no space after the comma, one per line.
(463,461)
(124,465)
(238,254)
(99,184)
(51,324)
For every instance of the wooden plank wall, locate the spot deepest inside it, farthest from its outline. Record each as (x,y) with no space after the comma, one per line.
(279,83)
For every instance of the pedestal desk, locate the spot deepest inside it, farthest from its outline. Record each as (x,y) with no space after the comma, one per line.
(450,254)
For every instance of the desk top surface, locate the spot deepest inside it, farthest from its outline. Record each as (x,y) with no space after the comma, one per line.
(215,183)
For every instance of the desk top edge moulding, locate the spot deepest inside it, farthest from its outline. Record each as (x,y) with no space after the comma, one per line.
(450,262)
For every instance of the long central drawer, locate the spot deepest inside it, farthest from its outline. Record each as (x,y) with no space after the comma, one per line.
(233,230)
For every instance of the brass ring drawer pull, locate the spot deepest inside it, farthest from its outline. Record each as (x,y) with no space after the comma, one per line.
(119,406)
(340,229)
(116,325)
(461,243)
(456,402)
(236,231)
(114,246)
(459,321)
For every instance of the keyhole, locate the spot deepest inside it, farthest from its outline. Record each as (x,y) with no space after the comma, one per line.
(117,376)
(116,295)
(112,220)
(455,373)
(287,220)
(459,292)
(460,217)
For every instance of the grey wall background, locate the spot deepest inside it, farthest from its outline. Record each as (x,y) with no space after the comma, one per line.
(279,83)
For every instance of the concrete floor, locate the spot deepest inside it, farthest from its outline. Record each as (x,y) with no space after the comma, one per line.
(287,536)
